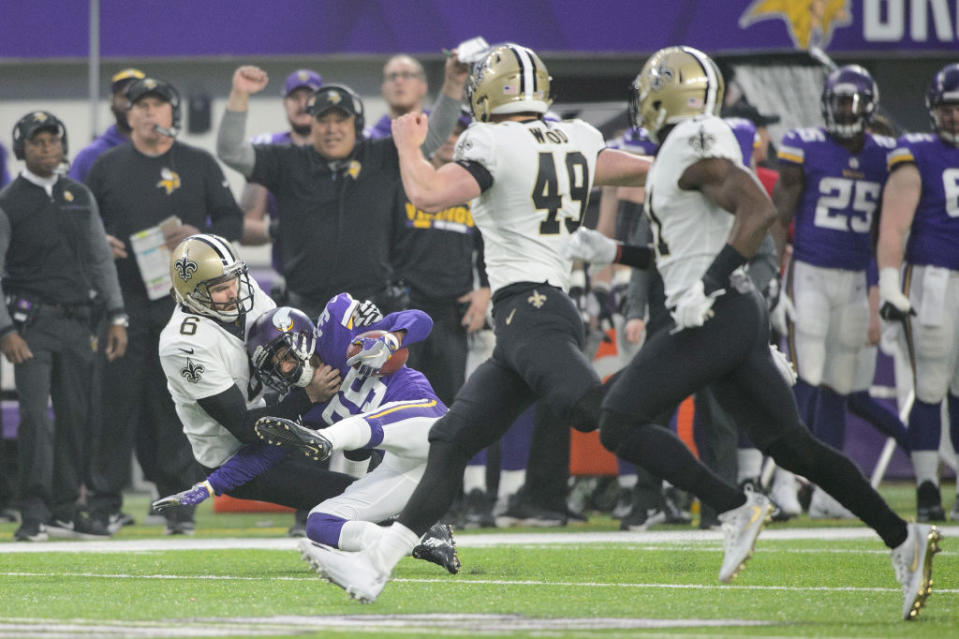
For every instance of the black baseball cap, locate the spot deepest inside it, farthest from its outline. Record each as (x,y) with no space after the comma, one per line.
(746,111)
(332,96)
(152,86)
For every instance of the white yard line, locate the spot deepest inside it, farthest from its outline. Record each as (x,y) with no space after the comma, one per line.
(479,540)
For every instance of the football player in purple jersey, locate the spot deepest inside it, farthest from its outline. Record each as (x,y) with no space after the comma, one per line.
(921,201)
(830,182)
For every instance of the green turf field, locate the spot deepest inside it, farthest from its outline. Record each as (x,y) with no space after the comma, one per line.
(544,584)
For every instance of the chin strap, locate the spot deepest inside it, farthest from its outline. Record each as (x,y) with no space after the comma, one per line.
(306,375)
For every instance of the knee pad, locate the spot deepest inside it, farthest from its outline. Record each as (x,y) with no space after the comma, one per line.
(324,528)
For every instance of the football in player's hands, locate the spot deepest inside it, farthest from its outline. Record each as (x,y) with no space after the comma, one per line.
(369,342)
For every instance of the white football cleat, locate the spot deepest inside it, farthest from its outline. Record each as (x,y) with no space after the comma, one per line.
(741,527)
(785,493)
(912,561)
(351,571)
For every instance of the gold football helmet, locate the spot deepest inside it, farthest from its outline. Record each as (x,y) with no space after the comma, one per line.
(509,79)
(205,260)
(676,83)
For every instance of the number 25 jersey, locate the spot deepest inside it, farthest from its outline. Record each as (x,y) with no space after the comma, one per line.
(541,173)
(841,191)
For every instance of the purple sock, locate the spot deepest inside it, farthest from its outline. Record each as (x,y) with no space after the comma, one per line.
(829,421)
(324,528)
(925,426)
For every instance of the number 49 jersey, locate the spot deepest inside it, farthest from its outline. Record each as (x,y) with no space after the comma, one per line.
(541,173)
(934,235)
(834,216)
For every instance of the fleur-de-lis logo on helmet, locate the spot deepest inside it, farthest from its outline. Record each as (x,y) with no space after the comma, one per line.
(660,75)
(185,268)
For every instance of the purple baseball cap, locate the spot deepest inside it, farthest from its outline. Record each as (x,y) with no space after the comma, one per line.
(302,78)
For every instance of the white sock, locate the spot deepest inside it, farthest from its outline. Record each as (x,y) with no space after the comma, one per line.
(397,542)
(359,535)
(509,482)
(348,434)
(925,463)
(750,462)
(474,478)
(627,481)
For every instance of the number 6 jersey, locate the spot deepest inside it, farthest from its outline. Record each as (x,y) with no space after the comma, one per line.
(525,229)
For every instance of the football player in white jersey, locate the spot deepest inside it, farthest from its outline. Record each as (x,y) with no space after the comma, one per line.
(528,181)
(709,215)
(209,376)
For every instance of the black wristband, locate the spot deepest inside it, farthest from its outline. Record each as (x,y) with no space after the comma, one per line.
(634,255)
(725,262)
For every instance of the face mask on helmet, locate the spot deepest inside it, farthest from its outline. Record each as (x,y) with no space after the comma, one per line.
(280,344)
(942,94)
(675,84)
(849,99)
(509,79)
(209,279)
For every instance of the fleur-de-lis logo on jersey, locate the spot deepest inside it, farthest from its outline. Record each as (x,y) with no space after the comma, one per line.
(185,268)
(809,22)
(193,371)
(169,181)
(68,196)
(536,299)
(702,141)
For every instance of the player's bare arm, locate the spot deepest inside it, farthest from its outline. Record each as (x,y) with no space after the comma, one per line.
(738,191)
(786,196)
(618,168)
(900,196)
(428,188)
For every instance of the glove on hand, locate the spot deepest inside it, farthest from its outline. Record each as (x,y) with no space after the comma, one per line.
(893,305)
(590,246)
(694,307)
(196,495)
(366,313)
(373,353)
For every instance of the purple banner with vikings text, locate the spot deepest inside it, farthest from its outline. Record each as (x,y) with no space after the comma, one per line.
(191,28)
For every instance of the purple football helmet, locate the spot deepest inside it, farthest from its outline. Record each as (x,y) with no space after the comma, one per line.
(944,89)
(849,100)
(274,335)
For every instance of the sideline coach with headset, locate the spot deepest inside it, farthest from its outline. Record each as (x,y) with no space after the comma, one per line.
(54,254)
(337,196)
(138,186)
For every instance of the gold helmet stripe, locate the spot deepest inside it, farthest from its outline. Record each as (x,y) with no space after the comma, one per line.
(712,82)
(527,84)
